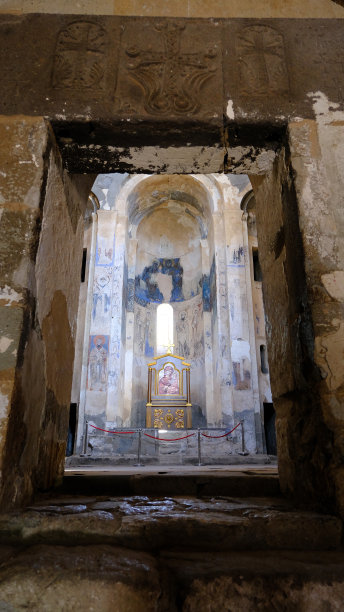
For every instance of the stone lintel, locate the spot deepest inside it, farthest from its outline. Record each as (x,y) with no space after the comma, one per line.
(113,81)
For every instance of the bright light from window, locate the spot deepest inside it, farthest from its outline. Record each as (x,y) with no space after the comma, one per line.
(164,328)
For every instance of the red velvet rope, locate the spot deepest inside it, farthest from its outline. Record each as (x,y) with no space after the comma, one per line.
(113,432)
(223,435)
(165,439)
(169,440)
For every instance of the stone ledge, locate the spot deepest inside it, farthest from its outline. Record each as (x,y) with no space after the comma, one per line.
(187,523)
(46,578)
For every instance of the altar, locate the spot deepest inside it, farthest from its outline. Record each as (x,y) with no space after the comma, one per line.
(168,395)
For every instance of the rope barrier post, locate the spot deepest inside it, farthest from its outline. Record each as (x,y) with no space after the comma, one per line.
(86,439)
(156,443)
(139,449)
(243,451)
(199,447)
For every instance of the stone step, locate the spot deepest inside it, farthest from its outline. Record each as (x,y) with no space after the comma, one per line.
(177,458)
(48,578)
(172,523)
(165,481)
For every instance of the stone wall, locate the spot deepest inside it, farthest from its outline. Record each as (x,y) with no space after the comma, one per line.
(317,158)
(104,109)
(92,106)
(41,225)
(300,231)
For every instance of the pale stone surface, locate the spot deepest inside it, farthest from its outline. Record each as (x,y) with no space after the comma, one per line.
(181,8)
(334,284)
(92,578)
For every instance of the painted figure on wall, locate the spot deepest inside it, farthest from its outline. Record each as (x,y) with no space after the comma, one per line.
(182,328)
(147,285)
(105,251)
(168,381)
(98,358)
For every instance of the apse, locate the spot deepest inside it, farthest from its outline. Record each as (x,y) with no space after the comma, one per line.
(189,243)
(168,270)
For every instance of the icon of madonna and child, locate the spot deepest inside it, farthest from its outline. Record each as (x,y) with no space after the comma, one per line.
(168,381)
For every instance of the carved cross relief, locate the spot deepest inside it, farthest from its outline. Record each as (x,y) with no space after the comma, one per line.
(261,58)
(170,79)
(80,57)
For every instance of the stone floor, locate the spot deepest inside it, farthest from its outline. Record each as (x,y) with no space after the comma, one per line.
(223,545)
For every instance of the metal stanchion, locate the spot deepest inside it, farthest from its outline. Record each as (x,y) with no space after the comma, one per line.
(86,439)
(199,447)
(156,443)
(243,451)
(138,464)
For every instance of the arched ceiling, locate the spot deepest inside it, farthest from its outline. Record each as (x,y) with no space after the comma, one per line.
(179,192)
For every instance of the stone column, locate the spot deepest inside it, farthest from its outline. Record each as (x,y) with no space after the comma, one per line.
(258,430)
(212,412)
(240,313)
(221,354)
(84,337)
(114,408)
(130,332)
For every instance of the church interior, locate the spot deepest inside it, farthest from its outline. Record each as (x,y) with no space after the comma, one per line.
(171,197)
(190,242)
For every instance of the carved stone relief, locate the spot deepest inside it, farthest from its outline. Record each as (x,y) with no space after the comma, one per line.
(261,61)
(80,57)
(166,71)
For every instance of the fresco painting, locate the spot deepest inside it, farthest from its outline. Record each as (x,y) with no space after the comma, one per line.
(101,294)
(98,362)
(237,258)
(147,286)
(241,375)
(105,251)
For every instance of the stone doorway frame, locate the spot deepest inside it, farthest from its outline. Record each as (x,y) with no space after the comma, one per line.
(289,156)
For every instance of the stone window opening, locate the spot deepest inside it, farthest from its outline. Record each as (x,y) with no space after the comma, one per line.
(164,328)
(263,359)
(257,271)
(83,265)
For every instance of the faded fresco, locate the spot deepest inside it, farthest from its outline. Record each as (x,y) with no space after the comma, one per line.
(98,363)
(241,365)
(105,251)
(145,330)
(241,375)
(188,331)
(101,295)
(147,283)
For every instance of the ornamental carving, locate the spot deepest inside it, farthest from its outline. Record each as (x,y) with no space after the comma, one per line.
(170,79)
(261,59)
(79,61)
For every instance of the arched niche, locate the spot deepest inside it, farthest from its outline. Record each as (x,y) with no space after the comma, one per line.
(171,245)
